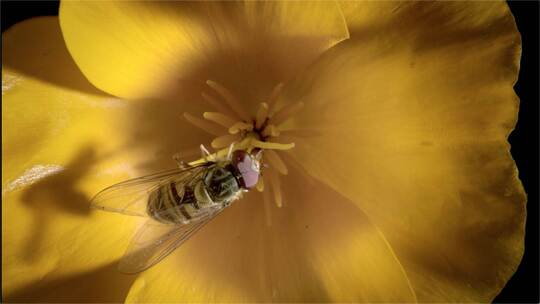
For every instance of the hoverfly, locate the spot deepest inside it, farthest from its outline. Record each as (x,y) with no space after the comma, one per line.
(177,203)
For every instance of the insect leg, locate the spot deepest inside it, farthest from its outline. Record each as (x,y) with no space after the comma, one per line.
(205,154)
(229,153)
(181,164)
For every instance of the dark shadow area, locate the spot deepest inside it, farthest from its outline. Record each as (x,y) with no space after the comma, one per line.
(14,12)
(102,285)
(56,194)
(248,62)
(421,24)
(36,49)
(158,128)
(524,284)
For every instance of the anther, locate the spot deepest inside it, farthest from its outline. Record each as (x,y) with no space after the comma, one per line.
(219,106)
(224,141)
(239,126)
(204,125)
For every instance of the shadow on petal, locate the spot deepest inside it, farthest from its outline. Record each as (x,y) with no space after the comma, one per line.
(36,48)
(102,285)
(157,128)
(157,124)
(57,193)
(428,25)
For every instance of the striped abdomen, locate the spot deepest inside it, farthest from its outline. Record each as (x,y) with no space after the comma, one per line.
(179,203)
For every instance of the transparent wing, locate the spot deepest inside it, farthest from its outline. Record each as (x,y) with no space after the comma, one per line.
(154,241)
(131,197)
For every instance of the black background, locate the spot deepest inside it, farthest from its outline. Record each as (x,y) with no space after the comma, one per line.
(523,286)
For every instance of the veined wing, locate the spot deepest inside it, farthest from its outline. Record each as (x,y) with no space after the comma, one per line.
(131,197)
(154,241)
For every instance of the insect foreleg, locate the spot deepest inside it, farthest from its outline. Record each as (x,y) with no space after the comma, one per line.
(229,153)
(205,154)
(181,164)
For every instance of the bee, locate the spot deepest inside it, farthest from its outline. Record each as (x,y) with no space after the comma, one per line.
(177,203)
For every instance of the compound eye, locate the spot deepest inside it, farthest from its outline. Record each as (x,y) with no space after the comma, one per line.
(238,156)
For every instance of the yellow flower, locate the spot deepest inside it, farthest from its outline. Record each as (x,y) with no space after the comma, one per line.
(400,186)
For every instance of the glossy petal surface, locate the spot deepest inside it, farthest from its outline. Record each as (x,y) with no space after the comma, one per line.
(140,49)
(409,119)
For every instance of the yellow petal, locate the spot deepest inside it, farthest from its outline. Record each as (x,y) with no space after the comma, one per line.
(54,140)
(132,49)
(412,116)
(319,248)
(62,141)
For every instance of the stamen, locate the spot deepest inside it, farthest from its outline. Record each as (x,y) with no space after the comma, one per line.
(229,99)
(204,125)
(219,118)
(275,94)
(262,114)
(276,162)
(286,112)
(267,207)
(260,184)
(270,145)
(270,130)
(276,189)
(224,141)
(239,126)
(220,107)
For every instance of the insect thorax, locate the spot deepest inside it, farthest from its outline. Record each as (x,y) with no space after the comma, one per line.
(179,202)
(221,184)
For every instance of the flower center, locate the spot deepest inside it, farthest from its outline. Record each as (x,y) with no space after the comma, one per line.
(234,127)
